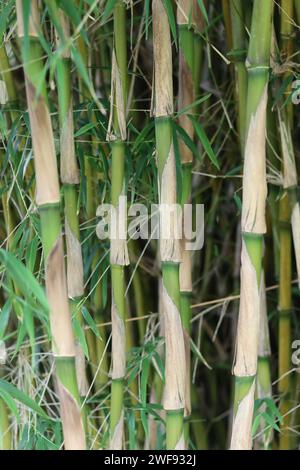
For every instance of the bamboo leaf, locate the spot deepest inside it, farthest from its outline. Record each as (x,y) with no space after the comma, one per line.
(23,277)
(4,15)
(79,333)
(169,10)
(144,379)
(204,141)
(10,403)
(4,317)
(29,326)
(196,351)
(186,139)
(20,396)
(31,253)
(71,11)
(131,430)
(20,337)
(203,9)
(90,321)
(84,129)
(110,4)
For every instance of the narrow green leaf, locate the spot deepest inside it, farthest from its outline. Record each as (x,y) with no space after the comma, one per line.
(4,317)
(79,333)
(144,379)
(6,397)
(196,351)
(23,277)
(110,4)
(169,10)
(204,141)
(90,321)
(20,396)
(84,129)
(4,15)
(203,9)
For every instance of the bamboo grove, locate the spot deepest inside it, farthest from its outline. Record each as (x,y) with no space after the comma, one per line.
(116,332)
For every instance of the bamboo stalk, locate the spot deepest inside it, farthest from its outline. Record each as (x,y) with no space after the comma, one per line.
(48,201)
(297,8)
(6,437)
(285,126)
(253,224)
(264,380)
(238,56)
(97,346)
(199,43)
(186,96)
(69,175)
(227,21)
(284,307)
(287,205)
(118,250)
(5,431)
(174,393)
(272,152)
(187,86)
(7,80)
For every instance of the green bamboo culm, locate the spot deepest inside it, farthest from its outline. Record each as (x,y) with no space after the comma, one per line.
(118,250)
(96,345)
(253,224)
(69,176)
(9,96)
(5,427)
(273,190)
(238,56)
(284,307)
(264,379)
(170,249)
(187,10)
(198,22)
(297,10)
(48,201)
(227,22)
(288,205)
